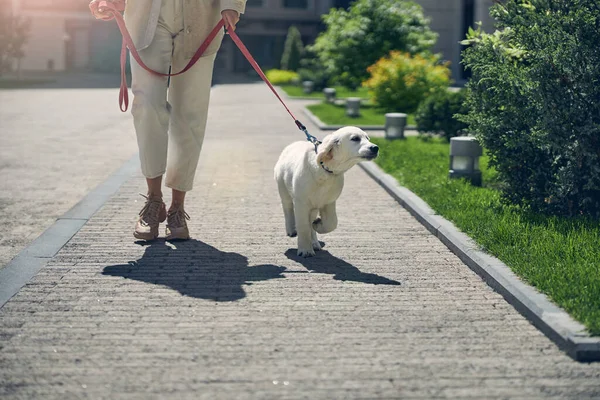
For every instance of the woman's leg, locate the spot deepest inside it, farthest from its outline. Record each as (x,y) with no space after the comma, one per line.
(150,112)
(150,109)
(177,199)
(189,95)
(154,186)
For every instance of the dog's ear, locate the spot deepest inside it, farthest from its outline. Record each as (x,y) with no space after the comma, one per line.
(325,149)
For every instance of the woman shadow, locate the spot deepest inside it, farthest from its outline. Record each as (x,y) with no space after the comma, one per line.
(195,269)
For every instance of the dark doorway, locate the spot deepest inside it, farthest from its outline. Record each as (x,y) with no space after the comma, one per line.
(342,3)
(105,47)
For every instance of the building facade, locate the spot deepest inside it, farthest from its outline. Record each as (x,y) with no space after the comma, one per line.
(264,27)
(59,37)
(65,37)
(266,22)
(451,19)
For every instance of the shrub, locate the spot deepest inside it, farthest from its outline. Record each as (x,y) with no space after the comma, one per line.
(312,70)
(533,101)
(436,114)
(400,82)
(356,38)
(281,77)
(293,50)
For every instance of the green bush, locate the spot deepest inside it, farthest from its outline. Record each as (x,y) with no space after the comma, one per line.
(293,50)
(281,77)
(401,82)
(312,70)
(436,114)
(533,100)
(356,38)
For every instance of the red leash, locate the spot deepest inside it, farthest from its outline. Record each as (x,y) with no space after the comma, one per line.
(116,8)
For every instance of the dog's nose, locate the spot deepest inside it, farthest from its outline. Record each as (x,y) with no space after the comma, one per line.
(374,149)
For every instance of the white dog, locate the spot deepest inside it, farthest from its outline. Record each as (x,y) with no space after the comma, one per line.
(310,183)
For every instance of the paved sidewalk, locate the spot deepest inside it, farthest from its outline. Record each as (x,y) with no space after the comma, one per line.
(55,146)
(386,311)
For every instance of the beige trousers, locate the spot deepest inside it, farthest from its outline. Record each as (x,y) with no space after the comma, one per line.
(170,121)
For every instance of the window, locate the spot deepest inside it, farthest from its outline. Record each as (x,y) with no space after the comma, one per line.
(295,3)
(254,3)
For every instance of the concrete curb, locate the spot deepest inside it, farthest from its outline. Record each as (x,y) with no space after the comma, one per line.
(553,321)
(35,256)
(324,127)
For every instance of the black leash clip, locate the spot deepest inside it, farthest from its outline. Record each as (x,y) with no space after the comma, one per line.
(309,137)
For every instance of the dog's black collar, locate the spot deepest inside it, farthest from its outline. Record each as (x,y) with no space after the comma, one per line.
(326,169)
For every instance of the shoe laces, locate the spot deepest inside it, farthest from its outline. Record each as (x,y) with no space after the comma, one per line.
(177,217)
(151,210)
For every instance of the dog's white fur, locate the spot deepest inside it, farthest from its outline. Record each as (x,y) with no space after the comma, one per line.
(308,191)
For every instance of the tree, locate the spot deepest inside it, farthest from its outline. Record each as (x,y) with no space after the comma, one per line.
(370,29)
(533,101)
(311,69)
(436,114)
(14,33)
(293,50)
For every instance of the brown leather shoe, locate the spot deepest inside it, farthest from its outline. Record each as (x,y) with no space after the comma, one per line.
(153,213)
(176,224)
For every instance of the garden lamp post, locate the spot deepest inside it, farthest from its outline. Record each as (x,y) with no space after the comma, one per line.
(394,125)
(308,86)
(329,94)
(353,107)
(464,159)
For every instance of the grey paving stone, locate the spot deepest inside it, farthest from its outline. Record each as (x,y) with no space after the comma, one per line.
(385,311)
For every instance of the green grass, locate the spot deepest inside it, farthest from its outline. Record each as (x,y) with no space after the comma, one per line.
(559,256)
(341,92)
(336,115)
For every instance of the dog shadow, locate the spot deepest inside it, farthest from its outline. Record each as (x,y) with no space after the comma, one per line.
(195,269)
(325,263)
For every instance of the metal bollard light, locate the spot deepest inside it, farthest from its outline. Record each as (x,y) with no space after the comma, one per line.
(353,107)
(464,159)
(330,94)
(394,125)
(308,86)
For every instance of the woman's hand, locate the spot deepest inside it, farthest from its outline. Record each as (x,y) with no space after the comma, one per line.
(97,12)
(231,18)
(104,14)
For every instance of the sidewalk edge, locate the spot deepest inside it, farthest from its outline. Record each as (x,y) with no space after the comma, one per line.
(34,257)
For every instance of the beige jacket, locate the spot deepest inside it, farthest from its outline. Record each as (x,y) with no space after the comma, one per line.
(200,17)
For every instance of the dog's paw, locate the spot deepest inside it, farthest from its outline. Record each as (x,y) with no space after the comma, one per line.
(306,253)
(316,246)
(292,234)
